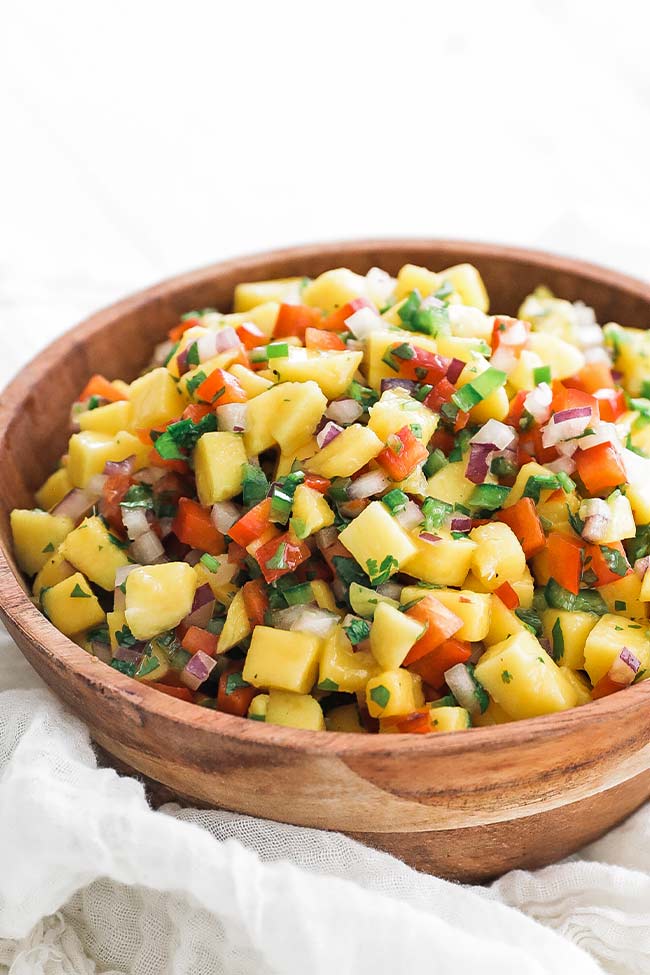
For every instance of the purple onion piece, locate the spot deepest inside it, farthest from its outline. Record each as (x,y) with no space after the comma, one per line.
(477,466)
(429,537)
(197,670)
(630,659)
(130,655)
(181,361)
(112,467)
(456,366)
(409,384)
(226,339)
(461,523)
(202,596)
(329,432)
(546,644)
(577,411)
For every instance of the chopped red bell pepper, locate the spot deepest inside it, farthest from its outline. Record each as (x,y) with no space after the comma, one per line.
(250,335)
(182,693)
(566,398)
(99,386)
(280,555)
(234,696)
(522,517)
(530,446)
(423,366)
(256,601)
(440,624)
(592,377)
(196,639)
(439,395)
(507,595)
(177,332)
(416,723)
(113,491)
(252,524)
(433,666)
(179,466)
(595,561)
(294,320)
(606,686)
(317,482)
(320,338)
(220,388)
(600,468)
(194,526)
(402,453)
(516,410)
(611,404)
(336,321)
(504,324)
(196,412)
(565,555)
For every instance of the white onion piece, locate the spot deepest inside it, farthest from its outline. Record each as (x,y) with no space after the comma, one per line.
(147,549)
(74,505)
(283,619)
(392,590)
(410,516)
(603,433)
(364,321)
(95,486)
(318,621)
(597,354)
(344,411)
(558,429)
(637,468)
(495,432)
(165,526)
(503,358)
(563,465)
(227,338)
(538,402)
(329,432)
(567,447)
(207,346)
(461,685)
(123,573)
(380,286)
(135,522)
(467,320)
(161,353)
(516,334)
(232,417)
(149,475)
(374,482)
(224,515)
(593,506)
(595,529)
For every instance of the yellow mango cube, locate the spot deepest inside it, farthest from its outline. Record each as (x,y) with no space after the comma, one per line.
(521,677)
(443,563)
(237,626)
(347,453)
(343,669)
(158,597)
(396,409)
(450,484)
(498,556)
(89,451)
(223,592)
(55,570)
(37,535)
(345,718)
(294,711)
(283,660)
(378,343)
(251,382)
(450,719)
(286,461)
(310,511)
(580,685)
(249,294)
(494,714)
(468,284)
(333,289)
(564,358)
(333,371)
(410,277)
(108,419)
(568,632)
(218,461)
(297,414)
(71,605)
(394,692)
(606,640)
(54,489)
(116,622)
(93,550)
(377,541)
(626,596)
(503,623)
(155,399)
(522,376)
(473,608)
(463,347)
(392,635)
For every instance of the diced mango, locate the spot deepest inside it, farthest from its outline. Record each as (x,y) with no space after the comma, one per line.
(332,289)
(333,371)
(494,714)
(568,632)
(71,605)
(580,684)
(347,453)
(449,719)
(158,597)
(258,707)
(37,535)
(522,375)
(249,294)
(627,596)
(297,414)
(55,570)
(343,669)
(286,461)
(93,550)
(468,283)
(394,692)
(377,344)
(251,382)
(392,635)
(54,490)
(410,277)
(377,541)
(218,462)
(116,622)
(109,419)
(521,677)
(503,623)
(89,451)
(450,484)
(473,608)
(564,358)
(282,660)
(498,556)
(155,399)
(310,511)
(345,718)
(493,407)
(606,640)
(295,711)
(237,626)
(443,563)
(396,409)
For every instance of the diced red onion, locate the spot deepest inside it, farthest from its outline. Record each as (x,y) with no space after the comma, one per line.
(317,621)
(595,529)
(202,607)
(498,435)
(566,424)
(232,417)
(461,685)
(147,549)
(207,346)
(565,465)
(339,589)
(193,557)
(625,667)
(545,644)
(410,516)
(124,571)
(135,522)
(224,515)
(326,537)
(364,321)
(364,486)
(477,465)
(101,650)
(113,467)
(202,596)
(197,670)
(390,589)
(226,338)
(328,433)
(567,448)
(130,655)
(429,537)
(181,360)
(75,505)
(641,566)
(456,366)
(344,411)
(538,402)
(460,523)
(408,384)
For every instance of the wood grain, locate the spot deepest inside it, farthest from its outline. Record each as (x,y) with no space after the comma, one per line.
(467,805)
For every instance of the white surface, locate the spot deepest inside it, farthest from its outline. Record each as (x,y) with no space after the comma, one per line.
(142,139)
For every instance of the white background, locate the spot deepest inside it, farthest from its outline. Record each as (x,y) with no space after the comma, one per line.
(143,138)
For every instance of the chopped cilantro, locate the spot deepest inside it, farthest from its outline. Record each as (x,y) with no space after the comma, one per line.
(255,485)
(530,618)
(357,630)
(558,641)
(124,637)
(506,676)
(620,605)
(79,593)
(381,574)
(365,396)
(615,561)
(328,685)
(124,667)
(180,438)
(49,547)
(138,496)
(278,561)
(195,381)
(435,462)
(235,682)
(380,695)
(587,601)
(99,633)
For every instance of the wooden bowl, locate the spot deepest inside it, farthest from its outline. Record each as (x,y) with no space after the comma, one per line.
(467,805)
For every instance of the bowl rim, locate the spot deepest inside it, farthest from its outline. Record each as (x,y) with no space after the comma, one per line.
(18,610)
